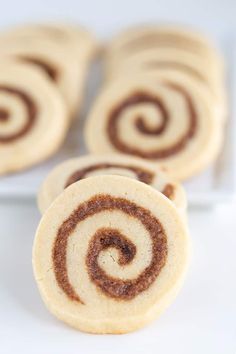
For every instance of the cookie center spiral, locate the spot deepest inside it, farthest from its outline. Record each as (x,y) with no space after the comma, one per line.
(142,97)
(4,115)
(31,112)
(104,238)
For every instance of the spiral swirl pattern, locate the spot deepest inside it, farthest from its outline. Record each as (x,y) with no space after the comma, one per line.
(108,237)
(5,116)
(140,98)
(110,254)
(167,121)
(77,169)
(141,174)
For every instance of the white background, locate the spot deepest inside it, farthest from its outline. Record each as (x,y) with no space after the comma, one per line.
(203,317)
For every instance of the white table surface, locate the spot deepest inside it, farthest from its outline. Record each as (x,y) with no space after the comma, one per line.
(203,317)
(201,320)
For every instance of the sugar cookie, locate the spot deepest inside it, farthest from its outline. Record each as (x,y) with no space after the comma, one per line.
(33,117)
(110,254)
(58,61)
(80,42)
(75,169)
(163,122)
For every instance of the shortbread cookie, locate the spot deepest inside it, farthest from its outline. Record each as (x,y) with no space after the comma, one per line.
(33,117)
(110,254)
(162,122)
(73,170)
(138,39)
(75,39)
(62,67)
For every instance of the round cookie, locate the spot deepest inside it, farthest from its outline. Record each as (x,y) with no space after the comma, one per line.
(75,39)
(53,59)
(73,170)
(141,38)
(33,117)
(110,254)
(165,123)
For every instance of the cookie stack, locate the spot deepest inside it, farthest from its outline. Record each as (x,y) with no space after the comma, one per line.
(163,100)
(42,75)
(112,248)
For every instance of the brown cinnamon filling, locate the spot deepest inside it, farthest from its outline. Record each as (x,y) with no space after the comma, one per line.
(31,113)
(45,66)
(4,115)
(141,174)
(168,191)
(105,238)
(140,97)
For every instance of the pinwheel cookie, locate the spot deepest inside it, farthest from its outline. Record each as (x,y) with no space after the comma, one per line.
(75,39)
(162,122)
(58,59)
(33,117)
(76,169)
(110,254)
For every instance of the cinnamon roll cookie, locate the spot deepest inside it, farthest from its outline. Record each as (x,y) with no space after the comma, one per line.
(110,254)
(163,122)
(74,170)
(58,59)
(33,117)
(75,39)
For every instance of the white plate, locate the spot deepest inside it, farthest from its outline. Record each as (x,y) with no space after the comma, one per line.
(214,185)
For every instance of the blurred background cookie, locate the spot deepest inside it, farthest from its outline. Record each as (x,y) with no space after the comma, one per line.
(63,52)
(33,117)
(144,37)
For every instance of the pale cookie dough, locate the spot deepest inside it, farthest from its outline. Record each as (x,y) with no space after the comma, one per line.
(110,254)
(75,39)
(141,38)
(73,170)
(165,123)
(58,61)
(33,117)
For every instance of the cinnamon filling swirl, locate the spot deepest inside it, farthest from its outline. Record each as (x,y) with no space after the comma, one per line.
(31,110)
(108,237)
(140,97)
(141,174)
(50,70)
(4,115)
